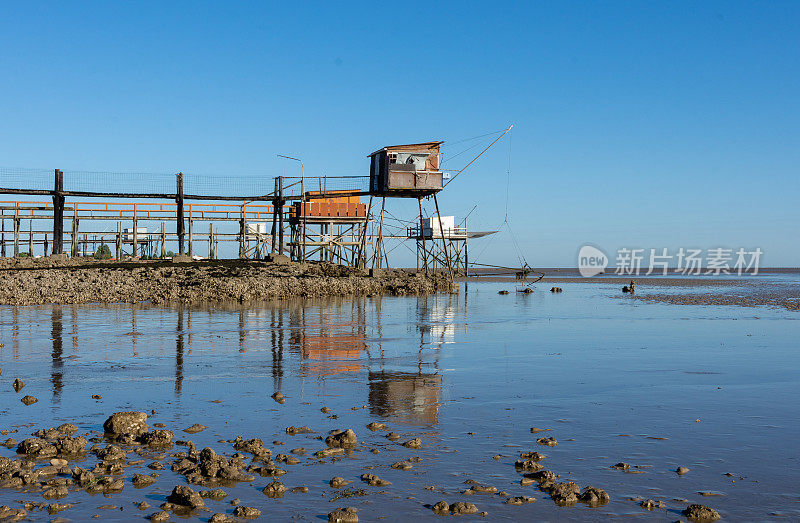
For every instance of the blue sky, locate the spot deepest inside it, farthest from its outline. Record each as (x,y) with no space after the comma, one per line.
(637,124)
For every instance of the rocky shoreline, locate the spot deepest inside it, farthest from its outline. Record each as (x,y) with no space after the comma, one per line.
(45,281)
(57,464)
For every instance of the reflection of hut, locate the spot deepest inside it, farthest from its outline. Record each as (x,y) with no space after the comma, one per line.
(405,397)
(333,352)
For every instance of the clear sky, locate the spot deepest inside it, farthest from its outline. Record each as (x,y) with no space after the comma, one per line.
(637,124)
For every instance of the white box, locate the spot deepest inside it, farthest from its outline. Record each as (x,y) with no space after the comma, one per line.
(430,226)
(141,233)
(257,228)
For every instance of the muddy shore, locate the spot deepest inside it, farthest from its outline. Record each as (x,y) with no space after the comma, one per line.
(744,291)
(46,281)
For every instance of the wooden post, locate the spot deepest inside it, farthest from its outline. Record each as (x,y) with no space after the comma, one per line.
(210,241)
(280,215)
(379,242)
(45,244)
(444,242)
(163,239)
(302,216)
(58,213)
(135,232)
(3,236)
(274,217)
(362,253)
(466,250)
(30,238)
(179,217)
(190,230)
(118,241)
(242,232)
(16,232)
(422,235)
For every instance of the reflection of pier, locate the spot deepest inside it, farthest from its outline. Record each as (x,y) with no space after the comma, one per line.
(57,372)
(329,344)
(436,319)
(321,339)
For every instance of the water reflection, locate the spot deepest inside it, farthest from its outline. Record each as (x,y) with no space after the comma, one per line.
(56,372)
(179,353)
(436,318)
(405,397)
(324,340)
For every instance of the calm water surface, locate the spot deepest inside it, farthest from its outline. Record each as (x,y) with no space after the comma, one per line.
(469,373)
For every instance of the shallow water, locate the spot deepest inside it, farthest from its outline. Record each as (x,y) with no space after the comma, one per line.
(469,373)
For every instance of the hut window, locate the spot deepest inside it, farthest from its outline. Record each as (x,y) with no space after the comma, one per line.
(418,160)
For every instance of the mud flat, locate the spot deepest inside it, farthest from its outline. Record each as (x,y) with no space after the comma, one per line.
(572,406)
(752,296)
(45,281)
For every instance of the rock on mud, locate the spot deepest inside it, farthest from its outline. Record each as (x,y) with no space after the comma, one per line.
(402,465)
(29,400)
(157,438)
(185,497)
(276,489)
(216,494)
(649,504)
(298,430)
(528,465)
(343,515)
(594,497)
(338,482)
(194,429)
(279,398)
(700,513)
(374,481)
(121,423)
(159,517)
(460,507)
(376,426)
(37,448)
(12,514)
(441,508)
(142,480)
(246,512)
(563,494)
(520,500)
(342,439)
(681,470)
(547,442)
(18,384)
(413,443)
(543,476)
(253,446)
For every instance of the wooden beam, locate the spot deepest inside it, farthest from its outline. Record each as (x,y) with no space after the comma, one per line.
(179,217)
(58,213)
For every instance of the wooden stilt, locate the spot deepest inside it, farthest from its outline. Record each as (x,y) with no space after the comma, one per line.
(444,241)
(362,253)
(379,242)
(179,215)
